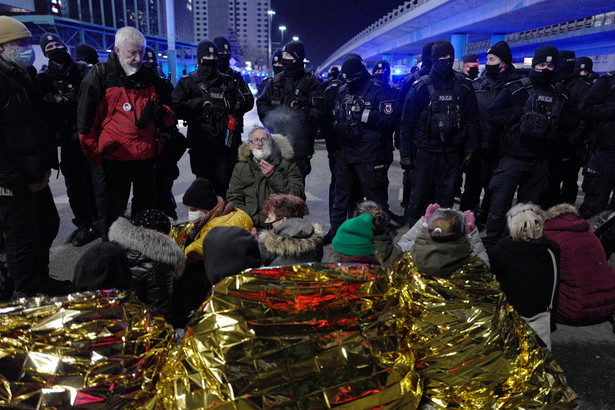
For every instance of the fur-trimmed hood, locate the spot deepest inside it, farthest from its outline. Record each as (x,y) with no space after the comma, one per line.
(292,238)
(151,244)
(559,210)
(281,147)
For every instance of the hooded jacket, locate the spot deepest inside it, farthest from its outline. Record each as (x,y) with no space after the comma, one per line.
(294,241)
(155,260)
(249,188)
(587,282)
(439,258)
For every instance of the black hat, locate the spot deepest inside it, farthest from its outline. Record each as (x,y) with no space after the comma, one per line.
(222,43)
(426,53)
(277,56)
(335,71)
(228,250)
(46,38)
(565,63)
(205,47)
(442,48)
(584,63)
(153,219)
(87,53)
(382,65)
(200,194)
(150,53)
(103,266)
(295,49)
(353,67)
(545,54)
(501,49)
(470,58)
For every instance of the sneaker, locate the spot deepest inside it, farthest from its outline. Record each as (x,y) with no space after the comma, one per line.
(85,236)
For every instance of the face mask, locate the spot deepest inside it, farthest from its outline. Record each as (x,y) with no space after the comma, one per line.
(540,77)
(59,55)
(128,69)
(473,72)
(444,66)
(287,62)
(492,69)
(195,216)
(152,65)
(380,77)
(223,61)
(269,225)
(277,69)
(23,56)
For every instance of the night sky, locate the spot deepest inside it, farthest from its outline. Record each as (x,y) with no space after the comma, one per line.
(325,25)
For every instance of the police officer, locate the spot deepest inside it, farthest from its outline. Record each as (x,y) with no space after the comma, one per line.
(246,102)
(440,116)
(599,174)
(365,118)
(531,110)
(276,66)
(499,71)
(210,102)
(470,66)
(60,84)
(381,71)
(567,153)
(583,68)
(291,105)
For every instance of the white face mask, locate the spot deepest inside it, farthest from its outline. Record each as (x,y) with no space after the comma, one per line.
(262,153)
(195,216)
(128,69)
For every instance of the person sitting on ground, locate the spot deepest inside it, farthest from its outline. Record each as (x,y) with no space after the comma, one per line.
(354,242)
(207,210)
(291,239)
(408,239)
(386,250)
(586,292)
(103,266)
(266,166)
(155,259)
(526,264)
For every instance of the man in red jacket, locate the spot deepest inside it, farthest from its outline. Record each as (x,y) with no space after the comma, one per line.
(122,107)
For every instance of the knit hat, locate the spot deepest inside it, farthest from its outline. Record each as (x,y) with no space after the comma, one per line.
(47,38)
(353,67)
(295,49)
(87,53)
(12,29)
(153,219)
(545,54)
(442,48)
(222,43)
(200,194)
(565,65)
(206,47)
(150,53)
(501,49)
(426,53)
(470,58)
(103,266)
(382,65)
(584,63)
(228,250)
(355,237)
(277,56)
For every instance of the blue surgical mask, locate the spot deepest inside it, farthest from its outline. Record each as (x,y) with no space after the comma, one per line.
(24,56)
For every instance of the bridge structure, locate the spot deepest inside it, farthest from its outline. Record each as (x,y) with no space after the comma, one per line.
(584,26)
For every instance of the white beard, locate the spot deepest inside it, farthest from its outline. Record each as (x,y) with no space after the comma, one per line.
(263,153)
(128,69)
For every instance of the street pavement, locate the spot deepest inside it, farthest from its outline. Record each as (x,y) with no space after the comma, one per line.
(586,353)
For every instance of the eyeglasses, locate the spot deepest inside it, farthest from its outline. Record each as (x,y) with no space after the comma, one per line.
(258,141)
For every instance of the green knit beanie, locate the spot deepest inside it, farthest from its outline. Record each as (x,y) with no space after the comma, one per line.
(355,237)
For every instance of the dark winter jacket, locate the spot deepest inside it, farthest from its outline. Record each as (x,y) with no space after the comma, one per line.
(249,188)
(599,107)
(155,260)
(111,103)
(375,124)
(27,149)
(294,241)
(246,103)
(586,282)
(386,250)
(525,271)
(286,107)
(439,258)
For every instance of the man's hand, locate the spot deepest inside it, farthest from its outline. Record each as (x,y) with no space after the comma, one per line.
(266,168)
(39,186)
(406,163)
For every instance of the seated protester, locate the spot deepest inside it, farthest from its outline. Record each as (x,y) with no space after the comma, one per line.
(206,210)
(155,259)
(442,247)
(586,292)
(103,266)
(228,251)
(266,166)
(354,242)
(291,239)
(408,239)
(386,250)
(526,264)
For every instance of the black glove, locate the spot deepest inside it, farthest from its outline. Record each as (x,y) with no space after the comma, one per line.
(467,161)
(208,108)
(159,112)
(406,163)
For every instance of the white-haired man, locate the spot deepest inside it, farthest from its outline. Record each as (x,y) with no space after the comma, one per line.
(122,107)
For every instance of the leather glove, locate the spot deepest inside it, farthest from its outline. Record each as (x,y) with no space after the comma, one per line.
(406,163)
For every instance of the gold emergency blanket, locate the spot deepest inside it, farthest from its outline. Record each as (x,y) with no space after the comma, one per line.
(293,337)
(93,350)
(473,350)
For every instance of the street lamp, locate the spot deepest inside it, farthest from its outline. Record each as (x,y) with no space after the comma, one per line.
(295,38)
(270,13)
(282,28)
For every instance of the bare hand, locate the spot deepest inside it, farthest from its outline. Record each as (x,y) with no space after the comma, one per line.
(254,233)
(266,168)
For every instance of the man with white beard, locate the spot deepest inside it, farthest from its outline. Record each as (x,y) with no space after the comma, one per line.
(266,166)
